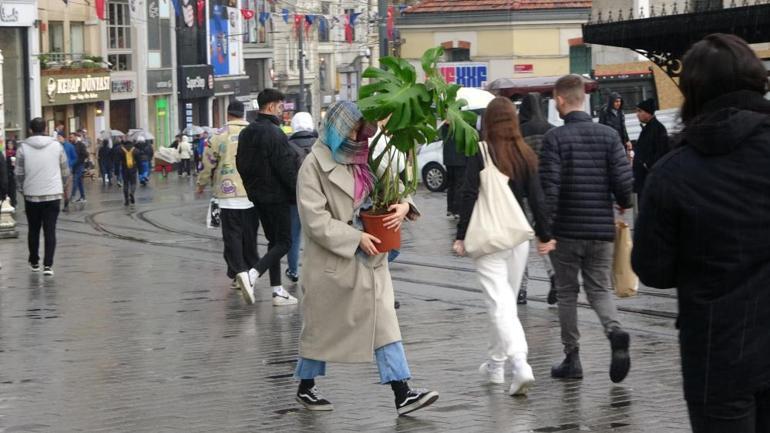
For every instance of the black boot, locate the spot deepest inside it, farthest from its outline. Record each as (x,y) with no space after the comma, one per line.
(408,399)
(570,368)
(552,291)
(621,360)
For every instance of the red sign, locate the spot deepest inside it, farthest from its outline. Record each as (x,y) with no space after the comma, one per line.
(523,69)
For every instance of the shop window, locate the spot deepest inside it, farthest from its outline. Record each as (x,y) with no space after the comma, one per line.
(119,62)
(457,54)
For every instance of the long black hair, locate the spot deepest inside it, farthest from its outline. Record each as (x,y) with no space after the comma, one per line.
(718,64)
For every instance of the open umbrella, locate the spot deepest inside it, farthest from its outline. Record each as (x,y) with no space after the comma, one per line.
(111,133)
(192,130)
(134,134)
(477,99)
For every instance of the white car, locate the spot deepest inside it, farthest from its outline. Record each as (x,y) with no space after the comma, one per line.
(430,163)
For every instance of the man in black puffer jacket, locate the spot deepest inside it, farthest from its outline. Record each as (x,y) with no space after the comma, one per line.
(582,166)
(268,169)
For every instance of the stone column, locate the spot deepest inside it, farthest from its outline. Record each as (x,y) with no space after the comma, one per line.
(7,223)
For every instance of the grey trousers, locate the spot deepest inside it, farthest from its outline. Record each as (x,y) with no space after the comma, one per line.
(593,260)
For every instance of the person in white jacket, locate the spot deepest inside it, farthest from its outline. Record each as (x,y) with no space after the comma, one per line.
(41,172)
(185,154)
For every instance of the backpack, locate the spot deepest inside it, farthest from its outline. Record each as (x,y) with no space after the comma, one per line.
(129,158)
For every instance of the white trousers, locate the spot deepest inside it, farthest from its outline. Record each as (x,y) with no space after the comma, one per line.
(500,275)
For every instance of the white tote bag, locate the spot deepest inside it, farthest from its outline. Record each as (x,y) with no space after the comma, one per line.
(497,222)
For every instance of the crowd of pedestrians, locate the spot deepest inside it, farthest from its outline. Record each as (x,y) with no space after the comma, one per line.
(700,214)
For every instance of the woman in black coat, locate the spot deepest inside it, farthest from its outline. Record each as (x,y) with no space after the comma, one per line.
(704,228)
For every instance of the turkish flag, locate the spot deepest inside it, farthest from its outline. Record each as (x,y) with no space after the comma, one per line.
(247,14)
(390,23)
(348,30)
(100,9)
(201,12)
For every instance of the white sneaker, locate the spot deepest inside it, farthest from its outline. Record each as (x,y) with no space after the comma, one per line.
(281,300)
(234,285)
(523,378)
(247,290)
(253,275)
(492,373)
(48,271)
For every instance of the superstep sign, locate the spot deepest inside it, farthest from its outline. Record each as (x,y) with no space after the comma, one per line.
(465,74)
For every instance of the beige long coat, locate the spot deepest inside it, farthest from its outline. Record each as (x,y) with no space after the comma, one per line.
(347,302)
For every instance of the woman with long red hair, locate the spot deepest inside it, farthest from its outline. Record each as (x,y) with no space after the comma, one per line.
(500,273)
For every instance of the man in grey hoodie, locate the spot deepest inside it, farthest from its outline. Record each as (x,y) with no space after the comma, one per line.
(41,171)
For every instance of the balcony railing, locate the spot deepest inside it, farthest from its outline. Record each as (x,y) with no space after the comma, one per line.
(57,60)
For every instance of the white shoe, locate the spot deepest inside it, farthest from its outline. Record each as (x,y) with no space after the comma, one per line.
(253,275)
(523,378)
(247,290)
(492,373)
(281,300)
(48,271)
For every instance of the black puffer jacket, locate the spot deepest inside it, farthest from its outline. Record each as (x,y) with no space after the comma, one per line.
(533,122)
(649,148)
(614,119)
(703,228)
(582,166)
(266,163)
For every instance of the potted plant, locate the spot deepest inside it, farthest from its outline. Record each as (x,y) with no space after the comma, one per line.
(409,113)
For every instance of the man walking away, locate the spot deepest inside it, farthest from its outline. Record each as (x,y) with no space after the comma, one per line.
(72,158)
(582,166)
(41,172)
(533,128)
(79,167)
(145,158)
(105,162)
(612,116)
(301,141)
(455,163)
(129,163)
(269,172)
(185,153)
(240,221)
(649,148)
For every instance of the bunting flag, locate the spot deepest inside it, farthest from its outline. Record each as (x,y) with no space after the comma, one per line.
(201,12)
(348,30)
(308,25)
(354,17)
(100,9)
(247,14)
(177,7)
(285,15)
(298,19)
(263,17)
(322,25)
(390,22)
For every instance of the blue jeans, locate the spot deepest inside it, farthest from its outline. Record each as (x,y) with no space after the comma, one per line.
(391,362)
(77,181)
(296,236)
(144,171)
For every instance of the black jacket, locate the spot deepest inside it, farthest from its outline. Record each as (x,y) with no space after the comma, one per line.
(528,189)
(105,153)
(649,148)
(121,157)
(582,166)
(82,152)
(452,158)
(703,228)
(533,122)
(301,143)
(266,163)
(614,119)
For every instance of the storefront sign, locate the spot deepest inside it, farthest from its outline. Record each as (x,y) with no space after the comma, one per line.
(75,89)
(17,14)
(231,86)
(160,81)
(523,69)
(196,81)
(465,74)
(122,86)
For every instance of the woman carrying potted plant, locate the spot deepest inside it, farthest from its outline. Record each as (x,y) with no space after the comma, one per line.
(347,291)
(500,273)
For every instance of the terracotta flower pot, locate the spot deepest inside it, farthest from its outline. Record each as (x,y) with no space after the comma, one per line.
(373,224)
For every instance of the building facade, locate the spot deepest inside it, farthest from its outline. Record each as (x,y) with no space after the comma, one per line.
(484,41)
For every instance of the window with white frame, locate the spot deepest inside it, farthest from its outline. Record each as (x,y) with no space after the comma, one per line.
(255,31)
(119,35)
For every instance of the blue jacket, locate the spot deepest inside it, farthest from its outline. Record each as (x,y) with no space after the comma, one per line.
(582,166)
(72,154)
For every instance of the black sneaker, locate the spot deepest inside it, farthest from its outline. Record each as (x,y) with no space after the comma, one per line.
(48,271)
(621,360)
(131,197)
(292,276)
(522,299)
(313,400)
(34,267)
(415,399)
(570,368)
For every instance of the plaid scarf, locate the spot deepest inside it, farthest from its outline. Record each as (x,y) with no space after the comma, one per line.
(340,119)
